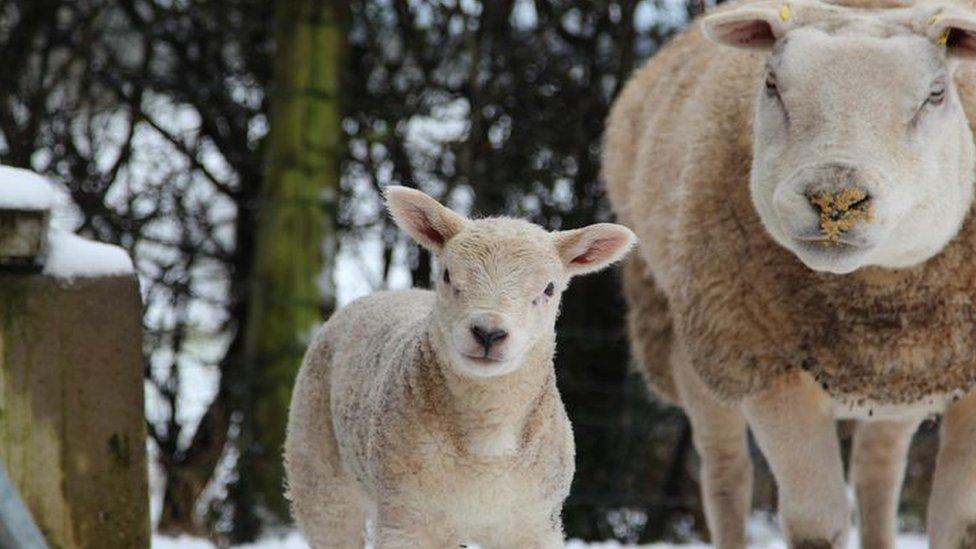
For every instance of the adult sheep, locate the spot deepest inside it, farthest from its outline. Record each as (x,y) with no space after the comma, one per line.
(807,254)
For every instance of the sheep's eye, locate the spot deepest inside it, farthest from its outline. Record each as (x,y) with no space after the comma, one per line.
(550,289)
(447,277)
(937,95)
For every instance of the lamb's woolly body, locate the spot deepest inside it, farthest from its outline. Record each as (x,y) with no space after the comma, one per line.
(437,411)
(677,160)
(487,458)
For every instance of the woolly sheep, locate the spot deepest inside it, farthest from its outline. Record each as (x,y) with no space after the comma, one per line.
(808,253)
(436,412)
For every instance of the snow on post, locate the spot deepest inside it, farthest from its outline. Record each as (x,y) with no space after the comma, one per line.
(26,200)
(72,427)
(70,256)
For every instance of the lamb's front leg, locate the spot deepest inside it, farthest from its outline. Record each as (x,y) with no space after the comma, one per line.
(952,506)
(550,539)
(544,533)
(400,528)
(794,426)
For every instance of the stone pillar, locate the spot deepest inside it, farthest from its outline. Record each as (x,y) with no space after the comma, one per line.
(72,422)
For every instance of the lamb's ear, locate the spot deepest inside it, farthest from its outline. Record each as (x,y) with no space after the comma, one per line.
(594,247)
(955,28)
(753,26)
(422,217)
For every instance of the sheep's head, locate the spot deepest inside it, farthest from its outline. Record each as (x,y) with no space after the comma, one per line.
(862,154)
(499,280)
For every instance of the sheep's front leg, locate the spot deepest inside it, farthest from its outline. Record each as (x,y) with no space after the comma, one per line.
(795,429)
(719,434)
(877,470)
(952,506)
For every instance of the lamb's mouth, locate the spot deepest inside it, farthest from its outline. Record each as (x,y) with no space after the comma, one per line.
(484,360)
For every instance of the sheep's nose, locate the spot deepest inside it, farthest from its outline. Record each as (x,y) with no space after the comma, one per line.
(841,210)
(487,337)
(836,203)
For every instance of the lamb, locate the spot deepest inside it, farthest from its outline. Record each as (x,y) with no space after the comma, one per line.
(808,252)
(436,412)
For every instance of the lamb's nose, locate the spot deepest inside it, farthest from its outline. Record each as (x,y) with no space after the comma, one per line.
(487,337)
(840,211)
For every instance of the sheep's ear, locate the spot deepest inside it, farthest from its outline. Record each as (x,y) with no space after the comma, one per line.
(753,26)
(594,247)
(422,217)
(954,28)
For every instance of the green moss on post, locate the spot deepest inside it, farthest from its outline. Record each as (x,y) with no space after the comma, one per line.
(295,217)
(72,429)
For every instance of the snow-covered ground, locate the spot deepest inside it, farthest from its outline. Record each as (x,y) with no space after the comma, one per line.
(762,535)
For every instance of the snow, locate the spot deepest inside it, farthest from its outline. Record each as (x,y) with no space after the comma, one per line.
(762,535)
(68,255)
(71,256)
(24,190)
(293,540)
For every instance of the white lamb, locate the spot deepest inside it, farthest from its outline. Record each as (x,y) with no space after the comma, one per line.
(436,412)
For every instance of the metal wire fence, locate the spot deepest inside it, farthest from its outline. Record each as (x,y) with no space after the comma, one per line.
(17,527)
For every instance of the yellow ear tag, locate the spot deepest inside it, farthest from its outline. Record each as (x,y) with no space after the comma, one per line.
(943,38)
(785,13)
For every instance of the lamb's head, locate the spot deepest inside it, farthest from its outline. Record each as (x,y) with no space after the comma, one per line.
(862,154)
(499,280)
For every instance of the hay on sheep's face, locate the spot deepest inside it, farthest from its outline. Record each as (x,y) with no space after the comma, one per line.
(841,212)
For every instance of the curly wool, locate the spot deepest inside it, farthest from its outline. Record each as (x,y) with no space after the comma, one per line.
(374,400)
(745,309)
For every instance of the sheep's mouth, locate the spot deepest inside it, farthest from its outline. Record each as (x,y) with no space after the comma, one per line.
(840,242)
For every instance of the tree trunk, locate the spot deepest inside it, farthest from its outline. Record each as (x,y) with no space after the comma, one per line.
(294,216)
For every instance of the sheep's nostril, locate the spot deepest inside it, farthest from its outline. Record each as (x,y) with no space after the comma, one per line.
(837,203)
(487,337)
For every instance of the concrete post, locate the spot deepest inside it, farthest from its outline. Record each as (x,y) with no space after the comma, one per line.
(72,422)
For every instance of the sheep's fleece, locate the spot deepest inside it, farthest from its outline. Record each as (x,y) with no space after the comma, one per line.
(746,309)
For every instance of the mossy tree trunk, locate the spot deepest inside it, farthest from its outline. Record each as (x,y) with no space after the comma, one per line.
(295,217)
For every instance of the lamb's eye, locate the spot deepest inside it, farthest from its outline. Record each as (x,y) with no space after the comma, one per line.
(447,277)
(550,289)
(937,95)
(771,88)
